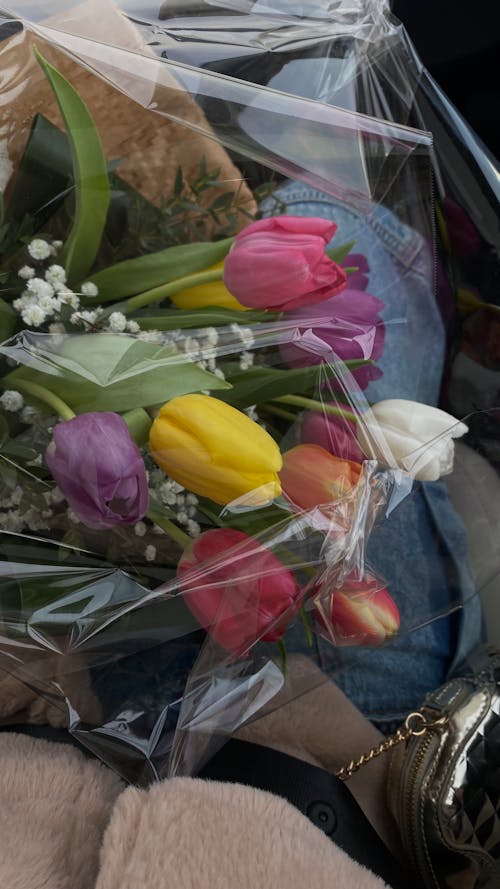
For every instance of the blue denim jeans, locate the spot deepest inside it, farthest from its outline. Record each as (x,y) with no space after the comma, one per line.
(419,549)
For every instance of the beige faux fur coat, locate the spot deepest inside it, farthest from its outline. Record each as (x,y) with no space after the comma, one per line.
(68,823)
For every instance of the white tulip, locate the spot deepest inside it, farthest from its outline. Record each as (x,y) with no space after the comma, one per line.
(412,436)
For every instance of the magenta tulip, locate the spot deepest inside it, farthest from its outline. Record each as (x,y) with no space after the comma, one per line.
(280,264)
(99,469)
(357,280)
(237,590)
(336,435)
(347,327)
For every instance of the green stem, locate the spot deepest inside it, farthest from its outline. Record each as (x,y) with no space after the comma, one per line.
(312,405)
(307,626)
(283,656)
(157,294)
(278,412)
(139,423)
(48,398)
(172,530)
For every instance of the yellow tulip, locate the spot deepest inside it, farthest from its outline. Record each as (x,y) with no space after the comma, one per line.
(216,451)
(213,294)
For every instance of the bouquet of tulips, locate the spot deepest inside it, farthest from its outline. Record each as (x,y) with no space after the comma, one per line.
(190,462)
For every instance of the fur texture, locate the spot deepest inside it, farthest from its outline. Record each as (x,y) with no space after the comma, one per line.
(54,807)
(184,833)
(191,834)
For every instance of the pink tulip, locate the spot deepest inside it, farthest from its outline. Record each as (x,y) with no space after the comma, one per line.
(280,264)
(336,435)
(241,593)
(361,613)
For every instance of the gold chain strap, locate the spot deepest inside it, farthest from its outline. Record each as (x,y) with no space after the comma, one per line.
(415,724)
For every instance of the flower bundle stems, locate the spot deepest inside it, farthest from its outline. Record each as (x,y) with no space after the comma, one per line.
(175,533)
(313,405)
(276,411)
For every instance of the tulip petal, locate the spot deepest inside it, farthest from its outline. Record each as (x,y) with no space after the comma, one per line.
(215,450)
(311,476)
(361,613)
(349,324)
(95,462)
(418,436)
(280,263)
(237,590)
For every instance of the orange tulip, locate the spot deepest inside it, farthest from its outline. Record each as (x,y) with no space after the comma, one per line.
(312,477)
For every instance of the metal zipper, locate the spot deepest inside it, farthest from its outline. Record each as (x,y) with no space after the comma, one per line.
(412,804)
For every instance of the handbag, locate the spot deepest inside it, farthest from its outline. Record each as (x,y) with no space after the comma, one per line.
(444,780)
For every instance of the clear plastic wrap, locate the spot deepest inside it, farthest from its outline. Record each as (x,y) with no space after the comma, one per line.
(153,609)
(95,579)
(358,56)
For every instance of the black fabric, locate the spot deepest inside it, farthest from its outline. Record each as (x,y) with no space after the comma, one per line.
(322,797)
(46,733)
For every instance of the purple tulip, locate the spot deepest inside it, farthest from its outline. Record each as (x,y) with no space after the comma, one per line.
(99,469)
(357,280)
(347,327)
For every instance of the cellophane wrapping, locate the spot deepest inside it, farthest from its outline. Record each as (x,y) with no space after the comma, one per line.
(267,434)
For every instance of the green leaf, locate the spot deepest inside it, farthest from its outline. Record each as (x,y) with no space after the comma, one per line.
(222,202)
(178,182)
(260,384)
(338,254)
(4,430)
(90,176)
(109,372)
(43,175)
(18,451)
(8,474)
(8,321)
(176,319)
(143,273)
(253,522)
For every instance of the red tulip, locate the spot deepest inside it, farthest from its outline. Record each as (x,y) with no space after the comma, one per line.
(312,477)
(241,593)
(361,613)
(280,264)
